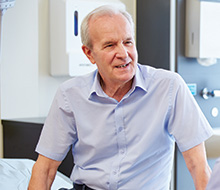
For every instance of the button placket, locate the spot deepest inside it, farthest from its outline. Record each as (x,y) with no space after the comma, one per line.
(121,143)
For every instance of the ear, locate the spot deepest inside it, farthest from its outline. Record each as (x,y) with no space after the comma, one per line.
(87,51)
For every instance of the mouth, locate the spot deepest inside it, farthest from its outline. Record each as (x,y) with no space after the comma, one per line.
(122,66)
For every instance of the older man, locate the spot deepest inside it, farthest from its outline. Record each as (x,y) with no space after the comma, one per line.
(121,120)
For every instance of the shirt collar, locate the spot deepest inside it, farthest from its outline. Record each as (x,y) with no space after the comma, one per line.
(139,82)
(96,87)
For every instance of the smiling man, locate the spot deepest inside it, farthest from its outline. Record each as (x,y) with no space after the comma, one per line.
(122,120)
(113,51)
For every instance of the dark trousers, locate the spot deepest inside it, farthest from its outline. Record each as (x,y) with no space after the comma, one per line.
(78,187)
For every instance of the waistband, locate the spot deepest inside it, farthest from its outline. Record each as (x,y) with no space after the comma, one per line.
(82,187)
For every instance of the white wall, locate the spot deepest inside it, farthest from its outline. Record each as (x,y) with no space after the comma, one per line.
(19,60)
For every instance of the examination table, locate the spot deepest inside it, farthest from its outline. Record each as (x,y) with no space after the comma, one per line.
(15,175)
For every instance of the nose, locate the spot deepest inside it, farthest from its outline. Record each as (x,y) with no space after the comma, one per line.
(122,52)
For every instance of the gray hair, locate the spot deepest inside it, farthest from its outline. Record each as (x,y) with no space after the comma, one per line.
(98,12)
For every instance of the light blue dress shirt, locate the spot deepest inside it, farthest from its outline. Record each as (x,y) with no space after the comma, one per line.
(123,145)
(214,182)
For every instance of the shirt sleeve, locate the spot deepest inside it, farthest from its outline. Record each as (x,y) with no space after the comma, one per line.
(187,123)
(58,133)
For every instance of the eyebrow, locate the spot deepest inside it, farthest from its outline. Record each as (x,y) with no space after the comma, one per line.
(129,38)
(113,41)
(108,42)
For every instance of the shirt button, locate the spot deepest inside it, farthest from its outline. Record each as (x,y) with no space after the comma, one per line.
(114,172)
(122,151)
(120,129)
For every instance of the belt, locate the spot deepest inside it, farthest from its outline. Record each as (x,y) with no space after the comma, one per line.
(82,187)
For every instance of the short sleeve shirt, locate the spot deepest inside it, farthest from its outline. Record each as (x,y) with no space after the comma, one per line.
(127,144)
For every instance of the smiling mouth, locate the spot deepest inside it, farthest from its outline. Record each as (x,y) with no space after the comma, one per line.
(122,66)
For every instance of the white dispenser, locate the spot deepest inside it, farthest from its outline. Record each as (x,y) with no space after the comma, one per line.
(202,29)
(66,55)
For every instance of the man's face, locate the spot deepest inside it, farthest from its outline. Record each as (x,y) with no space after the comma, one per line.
(113,49)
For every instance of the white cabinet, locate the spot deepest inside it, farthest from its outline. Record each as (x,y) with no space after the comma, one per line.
(202,35)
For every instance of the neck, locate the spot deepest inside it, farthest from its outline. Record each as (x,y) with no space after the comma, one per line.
(116,91)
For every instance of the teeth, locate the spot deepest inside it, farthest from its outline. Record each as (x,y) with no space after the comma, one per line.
(121,66)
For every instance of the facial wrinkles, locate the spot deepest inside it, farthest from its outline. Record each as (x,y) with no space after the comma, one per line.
(120,48)
(115,35)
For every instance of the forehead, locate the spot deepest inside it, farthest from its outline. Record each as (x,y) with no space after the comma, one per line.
(107,25)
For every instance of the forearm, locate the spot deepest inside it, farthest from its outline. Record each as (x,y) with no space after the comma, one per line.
(40,179)
(197,165)
(200,175)
(43,173)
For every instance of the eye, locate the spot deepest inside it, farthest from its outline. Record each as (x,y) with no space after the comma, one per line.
(109,45)
(128,42)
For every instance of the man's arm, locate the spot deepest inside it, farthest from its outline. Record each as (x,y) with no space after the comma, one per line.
(43,173)
(197,165)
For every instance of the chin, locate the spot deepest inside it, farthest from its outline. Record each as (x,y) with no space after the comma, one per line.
(126,79)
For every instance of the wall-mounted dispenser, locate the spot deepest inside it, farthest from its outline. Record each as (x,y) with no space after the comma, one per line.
(202,39)
(66,55)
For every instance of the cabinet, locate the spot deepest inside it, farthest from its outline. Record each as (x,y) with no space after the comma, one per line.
(20,137)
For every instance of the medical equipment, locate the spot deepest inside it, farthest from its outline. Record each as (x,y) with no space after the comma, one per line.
(4,5)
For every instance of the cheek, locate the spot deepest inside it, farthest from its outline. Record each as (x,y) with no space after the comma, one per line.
(107,58)
(134,54)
